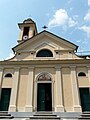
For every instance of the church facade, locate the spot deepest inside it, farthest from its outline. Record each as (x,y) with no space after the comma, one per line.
(45,75)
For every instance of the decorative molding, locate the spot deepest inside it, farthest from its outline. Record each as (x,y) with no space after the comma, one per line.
(1,68)
(45,43)
(77,108)
(72,66)
(58,66)
(12,108)
(60,108)
(26,51)
(16,68)
(28,108)
(31,67)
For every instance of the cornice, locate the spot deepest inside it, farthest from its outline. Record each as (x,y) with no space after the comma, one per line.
(71,62)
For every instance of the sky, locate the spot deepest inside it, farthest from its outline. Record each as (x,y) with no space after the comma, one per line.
(69,19)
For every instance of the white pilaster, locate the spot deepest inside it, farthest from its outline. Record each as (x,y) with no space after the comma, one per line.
(75,90)
(1,76)
(59,95)
(31,32)
(21,34)
(89,75)
(29,98)
(14,91)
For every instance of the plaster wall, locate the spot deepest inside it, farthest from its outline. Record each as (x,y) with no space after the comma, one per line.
(22,90)
(7,82)
(83,81)
(66,84)
(67,91)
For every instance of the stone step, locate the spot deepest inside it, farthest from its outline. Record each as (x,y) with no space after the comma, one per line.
(5,115)
(85,116)
(86,113)
(50,115)
(44,116)
(44,112)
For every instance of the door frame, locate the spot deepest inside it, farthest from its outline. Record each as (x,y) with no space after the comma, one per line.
(36,91)
(44,86)
(1,93)
(81,98)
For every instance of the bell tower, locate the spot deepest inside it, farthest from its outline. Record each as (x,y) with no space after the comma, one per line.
(28,29)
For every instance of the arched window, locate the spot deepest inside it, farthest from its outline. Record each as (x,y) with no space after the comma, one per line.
(8,75)
(44,77)
(81,74)
(44,53)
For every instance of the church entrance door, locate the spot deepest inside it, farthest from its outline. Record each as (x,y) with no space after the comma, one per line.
(85,99)
(5,99)
(44,97)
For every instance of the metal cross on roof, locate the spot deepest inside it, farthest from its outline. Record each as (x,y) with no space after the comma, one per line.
(44,27)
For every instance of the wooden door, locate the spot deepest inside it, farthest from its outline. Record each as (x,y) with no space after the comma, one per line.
(5,99)
(44,97)
(85,99)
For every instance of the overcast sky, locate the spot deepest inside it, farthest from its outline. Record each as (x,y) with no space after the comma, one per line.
(69,19)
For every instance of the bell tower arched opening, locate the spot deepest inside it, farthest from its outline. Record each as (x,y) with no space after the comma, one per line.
(28,29)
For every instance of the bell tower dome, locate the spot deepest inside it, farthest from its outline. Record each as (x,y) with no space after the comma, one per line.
(28,29)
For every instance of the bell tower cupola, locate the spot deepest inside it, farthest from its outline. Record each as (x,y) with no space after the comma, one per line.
(28,29)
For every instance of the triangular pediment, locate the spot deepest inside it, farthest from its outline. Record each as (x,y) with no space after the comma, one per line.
(43,39)
(60,48)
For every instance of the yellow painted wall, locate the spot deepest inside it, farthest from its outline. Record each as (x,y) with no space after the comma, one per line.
(7,82)
(51,71)
(67,91)
(21,102)
(83,81)
(66,84)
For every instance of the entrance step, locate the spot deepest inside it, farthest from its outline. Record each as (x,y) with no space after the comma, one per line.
(5,115)
(85,116)
(44,116)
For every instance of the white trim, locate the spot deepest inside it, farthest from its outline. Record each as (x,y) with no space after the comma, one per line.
(44,72)
(44,44)
(36,86)
(81,72)
(8,73)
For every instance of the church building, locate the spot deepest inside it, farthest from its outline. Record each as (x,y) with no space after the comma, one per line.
(45,78)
